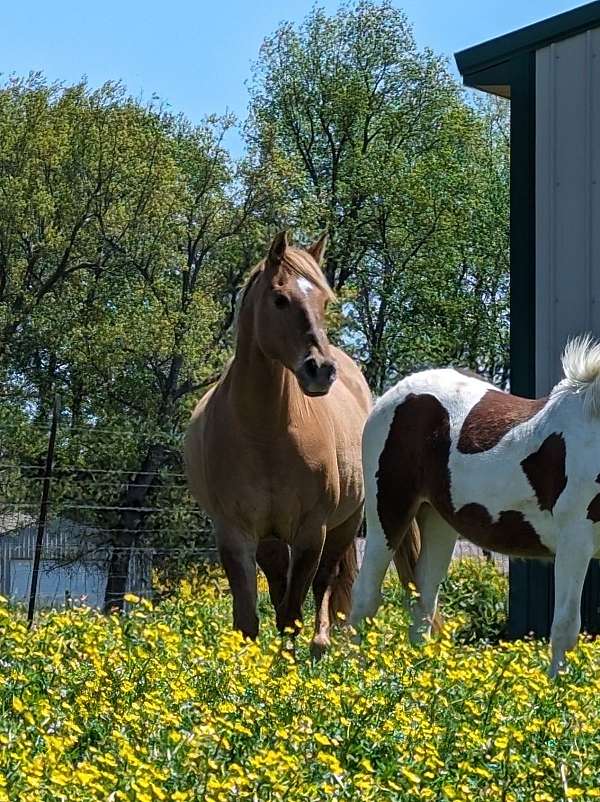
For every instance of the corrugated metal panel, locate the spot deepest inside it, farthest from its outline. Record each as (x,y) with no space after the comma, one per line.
(567,253)
(567,201)
(62,538)
(74,559)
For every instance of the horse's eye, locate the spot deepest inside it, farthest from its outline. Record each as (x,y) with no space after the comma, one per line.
(281,301)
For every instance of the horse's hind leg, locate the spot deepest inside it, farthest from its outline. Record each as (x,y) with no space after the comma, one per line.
(273,557)
(366,596)
(571,563)
(437,545)
(306,553)
(332,585)
(238,557)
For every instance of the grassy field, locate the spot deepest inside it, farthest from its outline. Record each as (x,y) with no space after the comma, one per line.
(168,704)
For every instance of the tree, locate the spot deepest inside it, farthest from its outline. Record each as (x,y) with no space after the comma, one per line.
(125,301)
(351,127)
(126,232)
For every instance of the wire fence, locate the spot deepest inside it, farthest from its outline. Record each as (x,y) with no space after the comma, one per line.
(75,531)
(78,561)
(75,562)
(89,514)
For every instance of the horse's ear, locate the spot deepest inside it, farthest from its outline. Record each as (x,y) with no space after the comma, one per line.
(317,249)
(277,249)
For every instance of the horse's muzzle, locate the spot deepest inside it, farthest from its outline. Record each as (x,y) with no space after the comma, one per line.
(316,378)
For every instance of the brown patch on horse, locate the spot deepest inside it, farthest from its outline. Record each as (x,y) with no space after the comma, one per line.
(413,467)
(509,534)
(418,443)
(593,510)
(545,471)
(492,417)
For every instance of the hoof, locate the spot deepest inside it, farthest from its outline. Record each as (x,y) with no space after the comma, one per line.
(288,647)
(355,637)
(557,668)
(319,646)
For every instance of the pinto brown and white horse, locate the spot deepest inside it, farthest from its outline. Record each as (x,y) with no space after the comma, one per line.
(513,475)
(273,452)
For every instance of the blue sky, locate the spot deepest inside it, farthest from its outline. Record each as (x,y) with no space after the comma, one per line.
(197,55)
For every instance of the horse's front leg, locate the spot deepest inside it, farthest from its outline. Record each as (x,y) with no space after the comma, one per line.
(238,557)
(306,553)
(571,562)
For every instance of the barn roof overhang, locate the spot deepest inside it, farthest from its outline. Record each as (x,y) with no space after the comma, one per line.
(489,65)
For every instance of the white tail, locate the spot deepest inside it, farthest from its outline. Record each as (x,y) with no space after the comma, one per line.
(581,366)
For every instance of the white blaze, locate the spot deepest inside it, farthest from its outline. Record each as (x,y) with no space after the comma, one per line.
(305,285)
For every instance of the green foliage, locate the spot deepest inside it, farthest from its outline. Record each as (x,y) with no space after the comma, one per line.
(475,595)
(123,237)
(126,233)
(472,602)
(353,128)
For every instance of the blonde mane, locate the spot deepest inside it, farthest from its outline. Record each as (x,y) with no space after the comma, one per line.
(581,367)
(304,266)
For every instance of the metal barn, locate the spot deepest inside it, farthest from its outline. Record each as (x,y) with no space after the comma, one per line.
(550,71)
(73,567)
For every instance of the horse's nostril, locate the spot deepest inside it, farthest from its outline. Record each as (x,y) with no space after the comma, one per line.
(330,371)
(311,367)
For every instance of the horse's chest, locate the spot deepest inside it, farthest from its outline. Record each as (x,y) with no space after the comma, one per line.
(273,488)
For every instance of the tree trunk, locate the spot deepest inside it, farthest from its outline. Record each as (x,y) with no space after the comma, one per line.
(130,521)
(118,573)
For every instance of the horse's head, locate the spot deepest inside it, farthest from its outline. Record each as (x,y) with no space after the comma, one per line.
(290,295)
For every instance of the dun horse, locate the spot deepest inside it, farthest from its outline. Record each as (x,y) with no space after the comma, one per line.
(273,451)
(512,475)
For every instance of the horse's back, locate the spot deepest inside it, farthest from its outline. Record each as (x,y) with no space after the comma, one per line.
(486,460)
(418,397)
(452,388)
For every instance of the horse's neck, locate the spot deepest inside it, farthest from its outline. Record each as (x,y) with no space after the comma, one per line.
(264,393)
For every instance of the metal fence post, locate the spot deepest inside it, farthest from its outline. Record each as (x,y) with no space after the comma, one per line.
(43,510)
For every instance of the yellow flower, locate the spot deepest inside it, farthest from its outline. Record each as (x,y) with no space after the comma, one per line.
(411,776)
